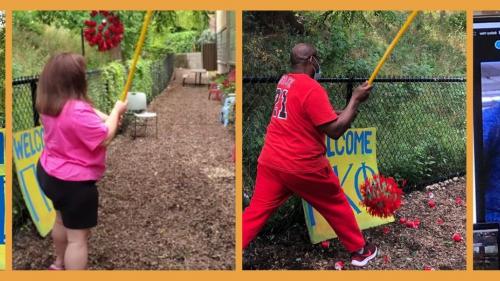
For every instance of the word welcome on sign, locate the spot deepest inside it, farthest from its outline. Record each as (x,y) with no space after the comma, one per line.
(27,146)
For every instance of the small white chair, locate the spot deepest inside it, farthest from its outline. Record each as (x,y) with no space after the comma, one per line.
(138,105)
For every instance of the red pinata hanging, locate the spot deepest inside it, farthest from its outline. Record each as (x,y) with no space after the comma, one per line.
(104,30)
(381,196)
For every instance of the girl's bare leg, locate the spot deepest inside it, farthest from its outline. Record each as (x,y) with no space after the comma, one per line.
(75,257)
(60,240)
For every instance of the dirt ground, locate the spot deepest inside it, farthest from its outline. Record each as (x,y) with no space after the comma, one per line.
(429,246)
(165,203)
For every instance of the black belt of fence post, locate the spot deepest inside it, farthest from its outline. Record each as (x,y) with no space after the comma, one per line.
(36,117)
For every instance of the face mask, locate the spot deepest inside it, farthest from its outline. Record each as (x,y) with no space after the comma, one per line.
(317,72)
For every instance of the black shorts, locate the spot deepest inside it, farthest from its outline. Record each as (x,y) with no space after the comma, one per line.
(77,201)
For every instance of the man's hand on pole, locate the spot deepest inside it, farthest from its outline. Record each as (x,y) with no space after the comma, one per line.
(362,92)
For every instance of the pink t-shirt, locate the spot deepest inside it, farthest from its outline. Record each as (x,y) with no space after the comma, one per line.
(73,149)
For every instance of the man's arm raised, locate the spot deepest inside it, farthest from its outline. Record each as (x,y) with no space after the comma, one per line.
(337,128)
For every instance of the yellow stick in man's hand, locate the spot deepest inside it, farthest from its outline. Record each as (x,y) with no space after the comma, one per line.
(137,53)
(403,29)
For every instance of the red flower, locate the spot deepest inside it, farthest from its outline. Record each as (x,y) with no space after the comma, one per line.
(402,220)
(458,200)
(387,259)
(381,196)
(428,268)
(457,237)
(413,223)
(440,221)
(386,230)
(431,203)
(339,265)
(90,23)
(325,244)
(89,31)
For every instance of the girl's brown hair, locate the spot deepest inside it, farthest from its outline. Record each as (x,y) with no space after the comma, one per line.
(63,78)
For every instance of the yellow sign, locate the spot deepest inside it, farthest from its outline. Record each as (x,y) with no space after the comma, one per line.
(2,257)
(353,158)
(2,200)
(27,147)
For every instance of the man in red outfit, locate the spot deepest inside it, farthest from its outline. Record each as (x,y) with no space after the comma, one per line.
(293,159)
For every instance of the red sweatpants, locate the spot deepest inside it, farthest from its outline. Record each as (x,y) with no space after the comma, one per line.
(320,189)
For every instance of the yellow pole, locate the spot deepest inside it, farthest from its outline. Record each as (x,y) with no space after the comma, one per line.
(403,29)
(137,53)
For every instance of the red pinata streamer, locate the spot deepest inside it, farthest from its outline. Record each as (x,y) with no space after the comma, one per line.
(381,196)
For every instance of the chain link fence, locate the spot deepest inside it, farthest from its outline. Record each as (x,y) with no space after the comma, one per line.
(420,124)
(98,88)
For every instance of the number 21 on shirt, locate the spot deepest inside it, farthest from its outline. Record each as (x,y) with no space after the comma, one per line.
(280,103)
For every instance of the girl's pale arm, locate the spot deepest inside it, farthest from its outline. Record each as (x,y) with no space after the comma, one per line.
(112,122)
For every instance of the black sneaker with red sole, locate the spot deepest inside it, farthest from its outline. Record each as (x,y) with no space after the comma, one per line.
(369,253)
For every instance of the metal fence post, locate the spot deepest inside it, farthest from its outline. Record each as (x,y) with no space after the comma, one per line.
(108,106)
(36,117)
(348,94)
(83,42)
(153,78)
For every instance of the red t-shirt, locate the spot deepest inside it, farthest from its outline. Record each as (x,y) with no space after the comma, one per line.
(293,141)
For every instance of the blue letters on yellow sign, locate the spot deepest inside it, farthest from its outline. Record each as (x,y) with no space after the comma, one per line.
(351,143)
(353,158)
(28,143)
(27,146)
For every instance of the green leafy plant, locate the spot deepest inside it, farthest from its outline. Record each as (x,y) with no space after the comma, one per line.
(207,36)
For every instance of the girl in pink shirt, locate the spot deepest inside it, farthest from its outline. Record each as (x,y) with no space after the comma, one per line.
(73,158)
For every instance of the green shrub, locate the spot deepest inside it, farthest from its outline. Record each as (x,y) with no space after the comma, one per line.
(31,49)
(180,42)
(114,75)
(106,87)
(143,80)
